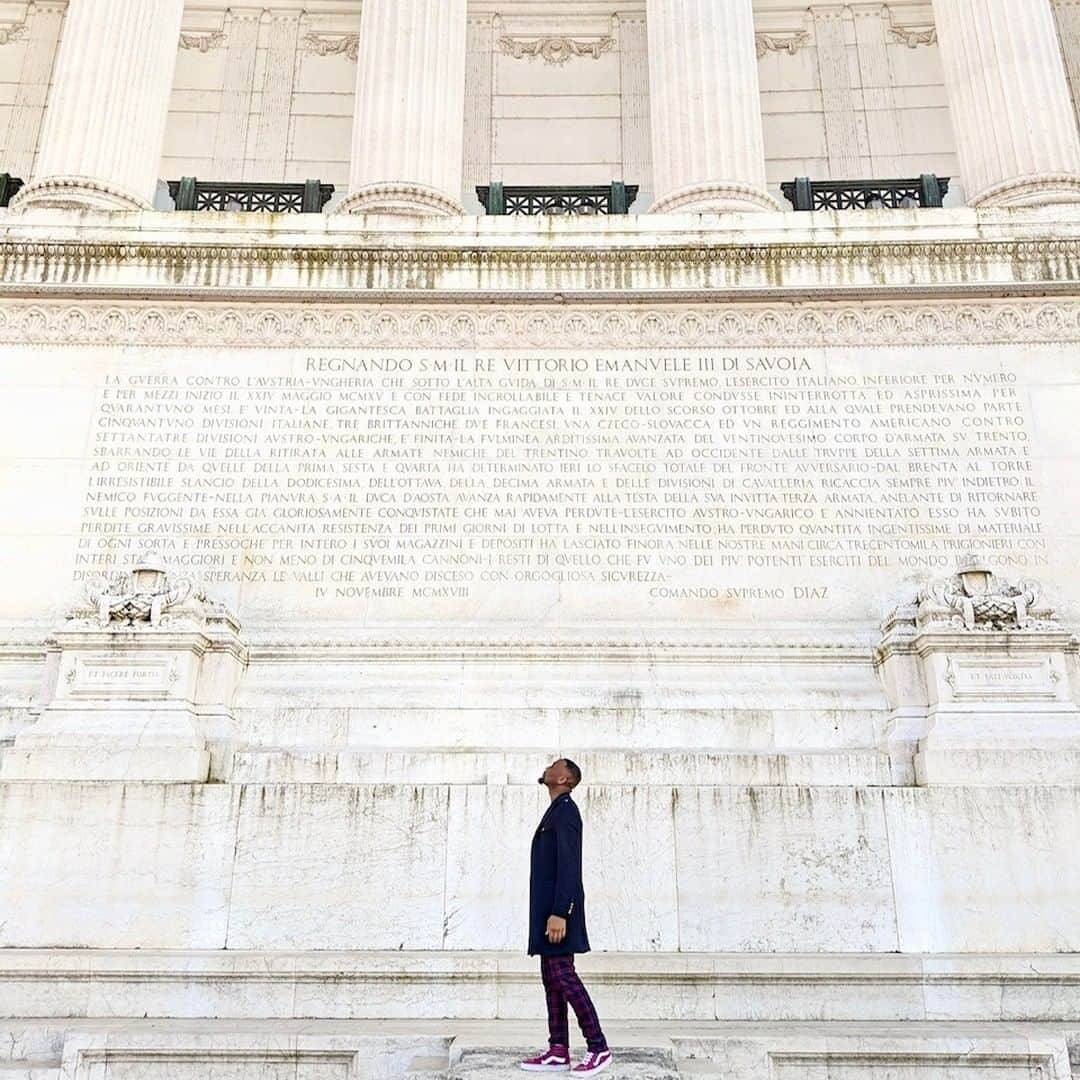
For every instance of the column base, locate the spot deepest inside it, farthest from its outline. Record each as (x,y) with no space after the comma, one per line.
(1045,190)
(716,197)
(75,193)
(400,198)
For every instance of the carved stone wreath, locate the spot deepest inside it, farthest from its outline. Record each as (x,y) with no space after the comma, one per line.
(347,45)
(555,50)
(912,36)
(203,42)
(12,32)
(789,43)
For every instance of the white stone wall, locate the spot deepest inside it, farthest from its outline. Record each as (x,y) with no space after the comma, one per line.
(848,91)
(261,96)
(29,33)
(851,91)
(669,868)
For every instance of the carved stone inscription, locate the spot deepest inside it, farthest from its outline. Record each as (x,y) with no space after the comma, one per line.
(487,483)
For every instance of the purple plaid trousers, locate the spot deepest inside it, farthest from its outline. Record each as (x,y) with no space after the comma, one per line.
(563,986)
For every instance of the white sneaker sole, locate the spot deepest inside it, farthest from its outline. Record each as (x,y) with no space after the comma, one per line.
(599,1068)
(544,1068)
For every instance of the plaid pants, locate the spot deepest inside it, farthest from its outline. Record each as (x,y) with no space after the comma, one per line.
(563,986)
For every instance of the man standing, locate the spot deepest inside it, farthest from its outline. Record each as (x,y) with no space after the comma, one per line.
(557,927)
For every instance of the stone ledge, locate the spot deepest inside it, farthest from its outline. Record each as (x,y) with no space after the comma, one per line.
(885,254)
(864,768)
(463,1050)
(458,985)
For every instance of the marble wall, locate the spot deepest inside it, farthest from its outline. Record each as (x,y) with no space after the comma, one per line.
(847,92)
(687,869)
(706,489)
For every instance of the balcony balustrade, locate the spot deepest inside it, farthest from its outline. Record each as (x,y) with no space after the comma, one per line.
(309,197)
(926,191)
(9,185)
(615,198)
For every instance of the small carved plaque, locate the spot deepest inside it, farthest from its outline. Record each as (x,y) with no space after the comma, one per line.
(109,677)
(1005,680)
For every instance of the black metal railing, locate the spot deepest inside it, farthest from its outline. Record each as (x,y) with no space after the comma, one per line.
(615,198)
(925,191)
(309,197)
(8,186)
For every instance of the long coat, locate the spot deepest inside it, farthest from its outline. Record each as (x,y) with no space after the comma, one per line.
(555,881)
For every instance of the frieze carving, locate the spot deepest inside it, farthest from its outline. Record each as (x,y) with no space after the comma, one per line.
(556,49)
(347,45)
(148,596)
(789,43)
(509,325)
(974,598)
(911,36)
(10,32)
(202,41)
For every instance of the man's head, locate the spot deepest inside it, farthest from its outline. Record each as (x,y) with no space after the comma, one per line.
(561,775)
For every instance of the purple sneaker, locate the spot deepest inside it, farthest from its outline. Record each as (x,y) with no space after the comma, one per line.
(595,1061)
(554,1059)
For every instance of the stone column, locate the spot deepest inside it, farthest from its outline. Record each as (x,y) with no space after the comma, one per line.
(1012,114)
(408,132)
(708,149)
(105,122)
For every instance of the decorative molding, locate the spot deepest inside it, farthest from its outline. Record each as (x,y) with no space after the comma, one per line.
(790,42)
(911,36)
(243,325)
(75,193)
(203,40)
(319,44)
(10,32)
(337,265)
(555,50)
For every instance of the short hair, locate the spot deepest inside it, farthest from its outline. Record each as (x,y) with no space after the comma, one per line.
(573,770)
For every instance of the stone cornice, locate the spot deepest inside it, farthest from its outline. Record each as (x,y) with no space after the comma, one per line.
(766,256)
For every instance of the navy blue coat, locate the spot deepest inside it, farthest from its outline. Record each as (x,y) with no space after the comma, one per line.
(555,881)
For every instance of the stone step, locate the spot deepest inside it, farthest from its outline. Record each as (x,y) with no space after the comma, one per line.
(435,1050)
(870,1055)
(501,1063)
(462,986)
(865,768)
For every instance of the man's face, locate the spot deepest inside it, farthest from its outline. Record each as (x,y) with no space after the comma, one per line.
(554,774)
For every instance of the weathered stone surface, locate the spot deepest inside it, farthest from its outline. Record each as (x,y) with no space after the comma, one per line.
(502,1064)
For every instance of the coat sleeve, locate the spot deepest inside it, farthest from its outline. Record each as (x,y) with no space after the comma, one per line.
(567,864)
